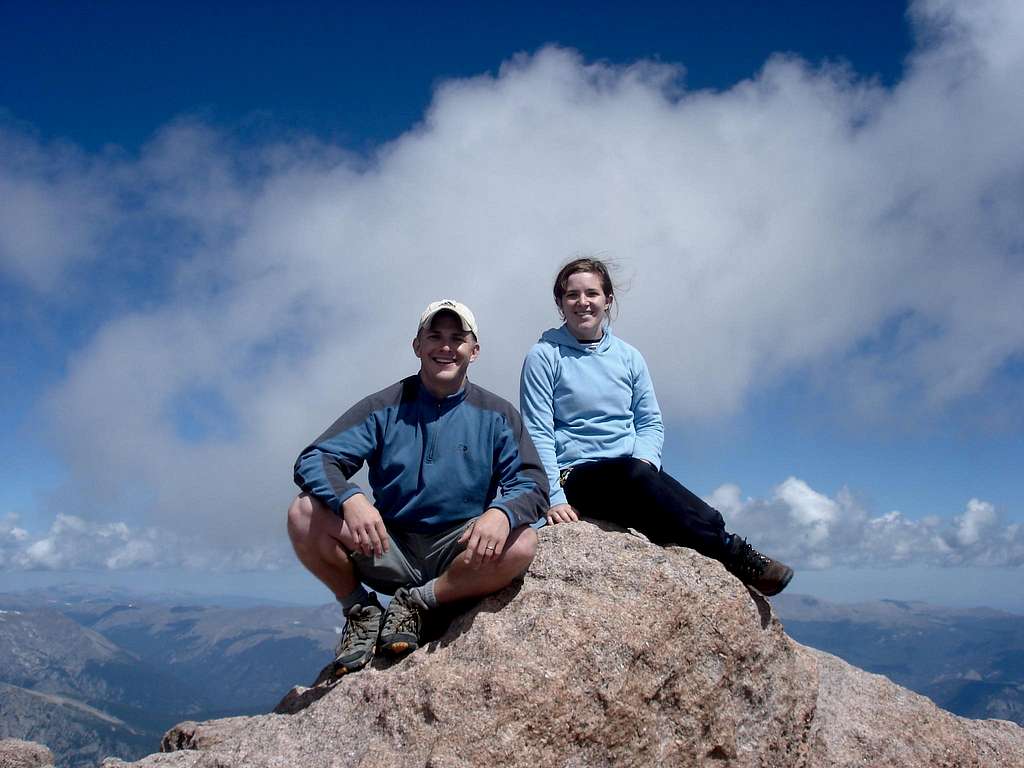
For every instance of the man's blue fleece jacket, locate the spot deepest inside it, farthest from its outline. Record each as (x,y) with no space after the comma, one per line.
(432,463)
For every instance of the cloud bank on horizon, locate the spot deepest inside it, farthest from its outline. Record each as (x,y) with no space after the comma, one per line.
(803,223)
(797,524)
(801,525)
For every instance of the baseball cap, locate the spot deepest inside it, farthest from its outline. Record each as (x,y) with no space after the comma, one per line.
(450,305)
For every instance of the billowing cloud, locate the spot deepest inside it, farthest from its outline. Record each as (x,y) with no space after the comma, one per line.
(803,224)
(807,528)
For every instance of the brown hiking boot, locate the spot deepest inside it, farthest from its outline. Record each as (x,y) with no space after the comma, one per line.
(357,644)
(402,628)
(767,576)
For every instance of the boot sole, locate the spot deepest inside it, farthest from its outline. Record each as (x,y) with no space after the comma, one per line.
(399,647)
(782,584)
(335,671)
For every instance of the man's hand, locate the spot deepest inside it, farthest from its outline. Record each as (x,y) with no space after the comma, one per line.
(562,513)
(486,537)
(365,524)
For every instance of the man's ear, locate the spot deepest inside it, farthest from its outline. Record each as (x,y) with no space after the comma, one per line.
(475,353)
(416,345)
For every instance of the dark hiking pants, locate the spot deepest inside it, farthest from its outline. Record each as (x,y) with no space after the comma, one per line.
(633,494)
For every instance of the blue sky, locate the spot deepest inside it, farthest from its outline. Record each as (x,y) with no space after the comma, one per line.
(219,225)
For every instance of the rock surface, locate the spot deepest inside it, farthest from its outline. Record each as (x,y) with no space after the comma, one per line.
(611,652)
(15,753)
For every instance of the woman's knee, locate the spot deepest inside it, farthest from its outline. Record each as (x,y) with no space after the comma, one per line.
(640,472)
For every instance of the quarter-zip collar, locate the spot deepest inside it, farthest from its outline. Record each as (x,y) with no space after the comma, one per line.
(443,404)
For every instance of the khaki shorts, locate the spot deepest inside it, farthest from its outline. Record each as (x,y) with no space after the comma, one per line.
(412,558)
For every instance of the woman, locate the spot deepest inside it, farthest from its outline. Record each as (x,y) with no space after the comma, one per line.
(589,405)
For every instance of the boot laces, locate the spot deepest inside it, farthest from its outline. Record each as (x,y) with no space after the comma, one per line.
(405,619)
(749,561)
(362,623)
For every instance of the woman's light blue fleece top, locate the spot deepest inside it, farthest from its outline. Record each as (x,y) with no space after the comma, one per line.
(582,404)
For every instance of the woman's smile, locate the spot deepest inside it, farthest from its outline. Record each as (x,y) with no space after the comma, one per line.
(585,306)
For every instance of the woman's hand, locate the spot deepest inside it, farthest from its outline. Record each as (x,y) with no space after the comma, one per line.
(562,513)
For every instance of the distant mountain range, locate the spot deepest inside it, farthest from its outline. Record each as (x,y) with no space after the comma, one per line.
(94,673)
(969,661)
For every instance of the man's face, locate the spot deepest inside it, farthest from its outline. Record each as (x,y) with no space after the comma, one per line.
(445,352)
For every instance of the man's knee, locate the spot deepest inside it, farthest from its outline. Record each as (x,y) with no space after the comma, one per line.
(521,551)
(299,513)
(302,528)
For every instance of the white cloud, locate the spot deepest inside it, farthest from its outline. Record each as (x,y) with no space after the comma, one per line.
(810,530)
(12,539)
(802,223)
(797,524)
(812,511)
(74,543)
(58,205)
(977,522)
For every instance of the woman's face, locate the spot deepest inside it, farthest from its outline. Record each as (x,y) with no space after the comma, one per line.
(584,305)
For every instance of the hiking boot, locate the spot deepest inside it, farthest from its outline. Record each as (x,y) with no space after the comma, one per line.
(767,576)
(358,639)
(403,624)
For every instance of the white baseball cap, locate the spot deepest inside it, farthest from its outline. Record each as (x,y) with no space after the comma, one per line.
(450,305)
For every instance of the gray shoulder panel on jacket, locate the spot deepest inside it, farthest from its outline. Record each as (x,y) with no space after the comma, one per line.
(388,397)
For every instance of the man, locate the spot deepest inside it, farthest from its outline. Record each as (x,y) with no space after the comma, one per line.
(456,483)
